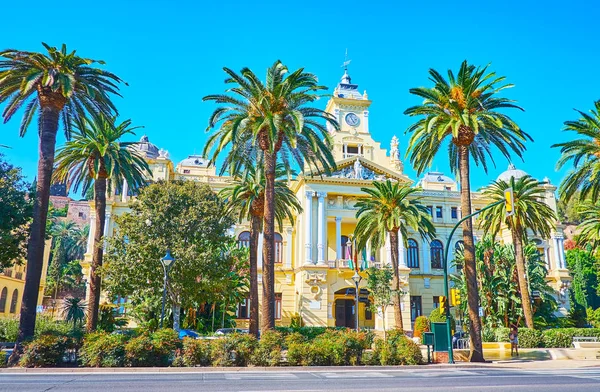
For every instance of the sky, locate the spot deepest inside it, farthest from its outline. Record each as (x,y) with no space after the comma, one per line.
(171,53)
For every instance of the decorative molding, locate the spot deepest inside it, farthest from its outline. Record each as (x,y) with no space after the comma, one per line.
(321,195)
(310,193)
(359,172)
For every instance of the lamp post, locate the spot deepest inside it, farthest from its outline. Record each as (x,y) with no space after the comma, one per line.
(356,278)
(166,262)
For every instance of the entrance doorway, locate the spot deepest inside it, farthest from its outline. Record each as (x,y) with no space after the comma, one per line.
(344,313)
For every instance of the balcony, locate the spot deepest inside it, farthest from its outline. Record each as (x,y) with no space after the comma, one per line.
(19,275)
(8,272)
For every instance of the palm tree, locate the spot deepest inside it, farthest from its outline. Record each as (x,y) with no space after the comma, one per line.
(74,310)
(464,111)
(530,213)
(275,118)
(246,196)
(56,86)
(61,232)
(589,228)
(584,153)
(94,156)
(388,210)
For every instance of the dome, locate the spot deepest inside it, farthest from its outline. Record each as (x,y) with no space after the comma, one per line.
(147,148)
(438,177)
(512,171)
(195,160)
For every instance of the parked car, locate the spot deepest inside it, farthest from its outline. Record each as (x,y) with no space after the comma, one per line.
(188,333)
(228,331)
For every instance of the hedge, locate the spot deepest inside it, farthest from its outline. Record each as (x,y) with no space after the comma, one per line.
(549,338)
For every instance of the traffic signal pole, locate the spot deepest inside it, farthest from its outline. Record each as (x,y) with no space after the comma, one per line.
(446,284)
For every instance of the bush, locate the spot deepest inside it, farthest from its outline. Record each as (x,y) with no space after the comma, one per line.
(101,349)
(557,338)
(308,332)
(437,317)
(268,351)
(421,326)
(44,325)
(233,350)
(530,338)
(194,353)
(45,351)
(501,334)
(156,349)
(296,321)
(340,347)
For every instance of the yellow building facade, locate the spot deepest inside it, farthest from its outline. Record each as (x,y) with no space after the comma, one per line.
(312,276)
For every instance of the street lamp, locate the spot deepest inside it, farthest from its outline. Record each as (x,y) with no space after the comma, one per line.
(356,278)
(166,262)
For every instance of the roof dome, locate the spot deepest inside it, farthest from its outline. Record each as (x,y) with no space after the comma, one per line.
(195,160)
(438,177)
(511,172)
(147,148)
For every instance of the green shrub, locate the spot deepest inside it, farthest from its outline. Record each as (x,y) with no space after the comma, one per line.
(44,325)
(339,347)
(233,350)
(397,349)
(502,334)
(308,332)
(156,349)
(557,338)
(101,349)
(45,351)
(296,352)
(437,317)
(195,353)
(268,351)
(296,321)
(530,338)
(293,338)
(9,328)
(421,326)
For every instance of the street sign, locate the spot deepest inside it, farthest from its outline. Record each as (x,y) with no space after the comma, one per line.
(509,199)
(480,311)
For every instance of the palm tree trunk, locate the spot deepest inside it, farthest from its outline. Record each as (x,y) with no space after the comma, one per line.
(254,233)
(523,285)
(476,345)
(268,282)
(97,253)
(396,282)
(35,246)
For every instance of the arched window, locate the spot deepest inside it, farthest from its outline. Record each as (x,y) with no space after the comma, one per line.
(413,254)
(346,251)
(278,248)
(3,300)
(13,301)
(244,239)
(437,254)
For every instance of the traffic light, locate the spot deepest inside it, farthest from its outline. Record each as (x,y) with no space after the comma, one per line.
(509,200)
(454,297)
(443,304)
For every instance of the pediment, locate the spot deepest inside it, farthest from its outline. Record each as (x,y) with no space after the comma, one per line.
(359,169)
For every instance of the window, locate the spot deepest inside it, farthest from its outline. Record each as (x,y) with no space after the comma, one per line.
(430,210)
(277,306)
(13,301)
(3,300)
(81,214)
(454,213)
(436,301)
(278,248)
(186,171)
(416,309)
(244,239)
(346,251)
(243,310)
(438,212)
(352,150)
(437,254)
(413,254)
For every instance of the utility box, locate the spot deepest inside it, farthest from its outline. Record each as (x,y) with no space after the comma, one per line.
(428,339)
(440,337)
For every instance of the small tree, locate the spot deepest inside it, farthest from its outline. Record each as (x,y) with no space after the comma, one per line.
(379,285)
(74,310)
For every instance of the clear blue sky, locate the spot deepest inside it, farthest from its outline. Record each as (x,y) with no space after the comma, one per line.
(172,52)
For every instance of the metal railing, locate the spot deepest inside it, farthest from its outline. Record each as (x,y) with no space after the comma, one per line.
(462,344)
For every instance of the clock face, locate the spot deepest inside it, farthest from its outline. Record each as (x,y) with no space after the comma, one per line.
(352,119)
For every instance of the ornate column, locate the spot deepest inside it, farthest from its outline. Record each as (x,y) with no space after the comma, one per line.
(288,248)
(401,251)
(561,252)
(308,227)
(125,191)
(338,238)
(557,263)
(321,228)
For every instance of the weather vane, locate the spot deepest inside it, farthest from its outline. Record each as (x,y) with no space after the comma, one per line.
(346,61)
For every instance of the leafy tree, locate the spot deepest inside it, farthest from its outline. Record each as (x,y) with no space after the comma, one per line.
(568,209)
(54,86)
(388,210)
(276,118)
(97,156)
(379,284)
(589,228)
(245,196)
(584,154)
(464,110)
(74,311)
(15,213)
(584,267)
(530,213)
(191,221)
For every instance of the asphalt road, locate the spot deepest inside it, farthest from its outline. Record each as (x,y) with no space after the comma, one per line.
(466,379)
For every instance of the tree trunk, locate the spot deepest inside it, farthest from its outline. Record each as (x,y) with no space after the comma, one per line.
(521,271)
(176,316)
(396,281)
(97,253)
(268,281)
(470,269)
(254,233)
(35,246)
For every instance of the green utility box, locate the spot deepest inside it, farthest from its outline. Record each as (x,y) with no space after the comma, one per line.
(428,338)
(440,337)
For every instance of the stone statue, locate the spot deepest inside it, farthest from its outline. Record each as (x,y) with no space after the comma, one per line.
(394,153)
(358,170)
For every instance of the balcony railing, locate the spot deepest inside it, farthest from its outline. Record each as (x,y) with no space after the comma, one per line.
(19,275)
(8,272)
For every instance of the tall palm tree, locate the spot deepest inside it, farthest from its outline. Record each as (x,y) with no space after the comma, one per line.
(57,86)
(584,153)
(530,213)
(276,119)
(62,232)
(589,228)
(246,196)
(463,110)
(390,210)
(94,156)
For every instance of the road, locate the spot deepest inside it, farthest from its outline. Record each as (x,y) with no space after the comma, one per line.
(420,379)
